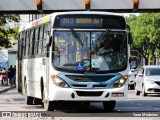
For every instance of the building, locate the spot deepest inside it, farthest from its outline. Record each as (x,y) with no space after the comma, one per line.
(3,59)
(8,56)
(12,53)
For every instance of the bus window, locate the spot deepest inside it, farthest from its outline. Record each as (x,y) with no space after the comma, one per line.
(36,41)
(24,44)
(46,28)
(40,40)
(27,42)
(20,51)
(30,42)
(32,39)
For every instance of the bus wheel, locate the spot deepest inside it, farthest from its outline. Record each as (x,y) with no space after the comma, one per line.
(48,105)
(37,101)
(28,99)
(137,92)
(131,87)
(109,105)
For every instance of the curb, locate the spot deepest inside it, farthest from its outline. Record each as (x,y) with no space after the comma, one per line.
(5,90)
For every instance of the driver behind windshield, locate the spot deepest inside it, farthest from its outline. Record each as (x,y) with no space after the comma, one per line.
(106,49)
(105,56)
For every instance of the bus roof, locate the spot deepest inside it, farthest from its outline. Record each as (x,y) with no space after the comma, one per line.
(48,18)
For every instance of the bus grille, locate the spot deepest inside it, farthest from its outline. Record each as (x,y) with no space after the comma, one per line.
(89,93)
(79,85)
(90,78)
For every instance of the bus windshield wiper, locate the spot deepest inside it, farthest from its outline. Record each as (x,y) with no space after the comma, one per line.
(98,42)
(77,37)
(102,37)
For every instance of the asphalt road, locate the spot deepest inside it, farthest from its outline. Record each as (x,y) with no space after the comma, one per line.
(134,107)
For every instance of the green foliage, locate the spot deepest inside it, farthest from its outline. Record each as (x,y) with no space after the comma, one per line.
(145,30)
(6,35)
(14,33)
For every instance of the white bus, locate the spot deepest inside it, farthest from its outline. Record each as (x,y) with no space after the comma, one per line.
(80,56)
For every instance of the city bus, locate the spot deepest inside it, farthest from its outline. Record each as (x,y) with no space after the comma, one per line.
(63,57)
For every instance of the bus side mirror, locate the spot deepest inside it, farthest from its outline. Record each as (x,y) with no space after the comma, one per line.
(133,64)
(130,38)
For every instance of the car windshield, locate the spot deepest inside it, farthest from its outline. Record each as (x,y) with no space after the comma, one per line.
(97,52)
(152,71)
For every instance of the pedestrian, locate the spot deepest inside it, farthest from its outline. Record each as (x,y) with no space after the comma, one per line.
(4,77)
(11,75)
(14,79)
(1,77)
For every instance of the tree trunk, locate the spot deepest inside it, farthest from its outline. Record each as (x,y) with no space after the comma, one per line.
(146,61)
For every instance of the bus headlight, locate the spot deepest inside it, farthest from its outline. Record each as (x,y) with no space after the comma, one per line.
(119,83)
(59,82)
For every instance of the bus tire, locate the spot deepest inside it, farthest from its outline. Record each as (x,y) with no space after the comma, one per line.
(19,87)
(28,99)
(37,101)
(109,105)
(137,92)
(132,87)
(48,105)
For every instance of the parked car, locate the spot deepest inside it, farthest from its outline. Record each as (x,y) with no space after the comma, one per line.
(148,80)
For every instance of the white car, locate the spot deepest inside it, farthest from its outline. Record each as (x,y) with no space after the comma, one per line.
(148,80)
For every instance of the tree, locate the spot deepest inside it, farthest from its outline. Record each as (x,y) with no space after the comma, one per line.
(6,35)
(145,30)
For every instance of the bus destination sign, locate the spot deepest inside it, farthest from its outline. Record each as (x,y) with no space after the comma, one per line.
(91,22)
(81,22)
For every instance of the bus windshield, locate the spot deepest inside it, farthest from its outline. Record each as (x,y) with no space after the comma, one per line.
(98,52)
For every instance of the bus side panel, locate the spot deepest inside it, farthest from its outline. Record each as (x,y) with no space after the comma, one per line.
(33,73)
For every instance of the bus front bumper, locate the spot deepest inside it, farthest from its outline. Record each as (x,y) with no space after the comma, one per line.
(69,94)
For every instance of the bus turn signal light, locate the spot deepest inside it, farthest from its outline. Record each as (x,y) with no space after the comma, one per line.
(53,76)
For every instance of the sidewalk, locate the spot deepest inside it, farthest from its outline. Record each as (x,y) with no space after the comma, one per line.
(5,88)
